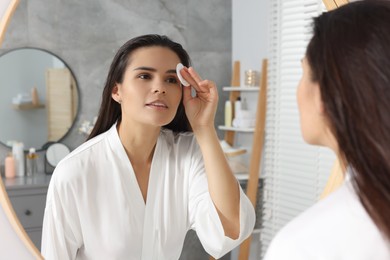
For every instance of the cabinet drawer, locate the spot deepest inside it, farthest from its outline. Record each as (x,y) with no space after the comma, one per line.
(35,236)
(29,209)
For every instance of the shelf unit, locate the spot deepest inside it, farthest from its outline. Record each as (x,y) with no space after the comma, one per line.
(236,129)
(235,91)
(27,106)
(258,138)
(257,150)
(240,89)
(252,176)
(230,131)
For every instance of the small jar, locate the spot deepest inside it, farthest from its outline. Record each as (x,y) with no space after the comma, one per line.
(251,78)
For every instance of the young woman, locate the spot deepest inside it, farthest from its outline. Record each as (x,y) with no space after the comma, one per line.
(344,103)
(151,170)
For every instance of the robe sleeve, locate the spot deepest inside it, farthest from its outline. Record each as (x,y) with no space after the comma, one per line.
(61,231)
(203,215)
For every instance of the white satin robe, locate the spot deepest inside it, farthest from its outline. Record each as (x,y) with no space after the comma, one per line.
(335,228)
(95,209)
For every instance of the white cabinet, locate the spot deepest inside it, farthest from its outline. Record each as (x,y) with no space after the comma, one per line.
(28,198)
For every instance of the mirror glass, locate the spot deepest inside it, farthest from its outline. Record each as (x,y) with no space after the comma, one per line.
(55,153)
(38,97)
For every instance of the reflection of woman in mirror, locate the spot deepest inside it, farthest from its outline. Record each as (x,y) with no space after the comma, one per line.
(143,179)
(344,103)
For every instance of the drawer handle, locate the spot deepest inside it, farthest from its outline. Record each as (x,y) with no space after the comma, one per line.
(28,212)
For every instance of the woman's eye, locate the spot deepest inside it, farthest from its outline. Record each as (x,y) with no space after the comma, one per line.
(172,80)
(144,76)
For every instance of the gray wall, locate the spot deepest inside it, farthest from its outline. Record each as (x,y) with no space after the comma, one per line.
(87,33)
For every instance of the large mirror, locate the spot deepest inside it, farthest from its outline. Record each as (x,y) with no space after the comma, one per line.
(38,97)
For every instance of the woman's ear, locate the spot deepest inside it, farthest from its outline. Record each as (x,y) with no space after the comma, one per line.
(115,94)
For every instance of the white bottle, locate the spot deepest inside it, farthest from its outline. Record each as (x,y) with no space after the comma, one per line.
(244,104)
(237,108)
(228,113)
(18,153)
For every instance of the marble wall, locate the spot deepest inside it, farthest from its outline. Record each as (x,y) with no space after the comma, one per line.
(86,35)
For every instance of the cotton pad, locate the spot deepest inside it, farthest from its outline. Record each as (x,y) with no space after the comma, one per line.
(179,67)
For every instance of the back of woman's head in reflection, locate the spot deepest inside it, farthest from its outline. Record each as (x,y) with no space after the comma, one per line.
(110,110)
(349,57)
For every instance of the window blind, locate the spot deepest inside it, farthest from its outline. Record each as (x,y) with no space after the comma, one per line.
(294,172)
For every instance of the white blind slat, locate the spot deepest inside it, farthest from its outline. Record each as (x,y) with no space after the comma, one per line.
(294,172)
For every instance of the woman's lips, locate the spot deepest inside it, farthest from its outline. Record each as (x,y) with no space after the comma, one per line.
(157,104)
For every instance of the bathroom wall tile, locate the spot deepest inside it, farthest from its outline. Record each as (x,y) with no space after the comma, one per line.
(17,30)
(209,28)
(42,24)
(86,35)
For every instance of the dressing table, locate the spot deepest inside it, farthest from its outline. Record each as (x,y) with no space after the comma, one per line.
(28,198)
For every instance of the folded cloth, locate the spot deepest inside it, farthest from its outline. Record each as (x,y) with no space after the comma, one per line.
(244,123)
(22,98)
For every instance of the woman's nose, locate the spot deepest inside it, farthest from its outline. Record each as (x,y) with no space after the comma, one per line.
(159,91)
(159,87)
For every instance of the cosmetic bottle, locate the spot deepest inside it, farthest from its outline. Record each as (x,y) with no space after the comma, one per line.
(9,166)
(244,104)
(31,162)
(18,154)
(228,113)
(237,108)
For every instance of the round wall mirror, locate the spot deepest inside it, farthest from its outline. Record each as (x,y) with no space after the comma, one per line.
(38,98)
(55,153)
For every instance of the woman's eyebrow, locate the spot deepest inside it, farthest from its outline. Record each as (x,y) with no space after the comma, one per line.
(146,68)
(154,70)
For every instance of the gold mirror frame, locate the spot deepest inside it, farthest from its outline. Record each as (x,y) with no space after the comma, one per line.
(7,8)
(333,4)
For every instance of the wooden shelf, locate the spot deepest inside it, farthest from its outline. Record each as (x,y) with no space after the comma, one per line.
(234,152)
(231,151)
(256,231)
(27,106)
(242,176)
(236,129)
(231,88)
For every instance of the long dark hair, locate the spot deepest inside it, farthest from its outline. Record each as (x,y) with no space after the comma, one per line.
(110,110)
(349,57)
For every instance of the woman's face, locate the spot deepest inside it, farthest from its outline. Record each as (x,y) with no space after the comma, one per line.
(150,92)
(313,126)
